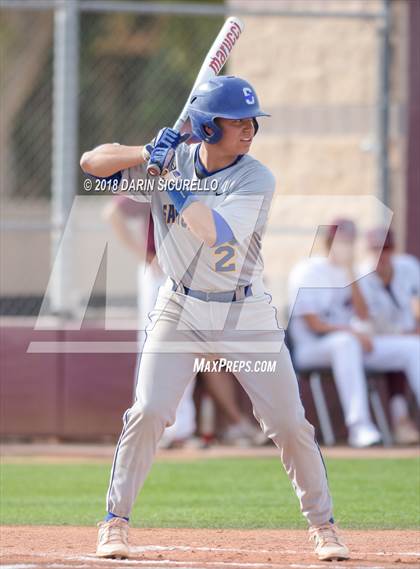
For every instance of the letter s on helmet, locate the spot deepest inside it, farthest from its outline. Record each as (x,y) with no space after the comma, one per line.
(225,97)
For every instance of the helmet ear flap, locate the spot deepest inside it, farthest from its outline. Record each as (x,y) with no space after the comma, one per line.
(216,132)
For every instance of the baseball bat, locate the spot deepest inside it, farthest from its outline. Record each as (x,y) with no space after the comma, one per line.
(213,63)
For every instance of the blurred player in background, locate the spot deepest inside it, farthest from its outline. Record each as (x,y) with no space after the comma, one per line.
(322,327)
(330,327)
(392,293)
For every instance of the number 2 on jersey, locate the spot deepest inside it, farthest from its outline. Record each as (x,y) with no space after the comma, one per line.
(223,265)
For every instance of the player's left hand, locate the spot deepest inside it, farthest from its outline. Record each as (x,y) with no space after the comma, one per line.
(162,149)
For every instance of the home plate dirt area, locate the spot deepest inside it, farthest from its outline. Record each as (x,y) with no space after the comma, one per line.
(53,547)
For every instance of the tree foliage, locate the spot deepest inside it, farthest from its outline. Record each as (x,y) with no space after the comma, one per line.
(135,72)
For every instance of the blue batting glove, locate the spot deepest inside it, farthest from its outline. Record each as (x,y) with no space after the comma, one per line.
(163,150)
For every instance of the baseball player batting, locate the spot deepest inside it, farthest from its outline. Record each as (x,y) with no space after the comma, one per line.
(208,231)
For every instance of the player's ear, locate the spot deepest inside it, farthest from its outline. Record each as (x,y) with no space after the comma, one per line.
(208,130)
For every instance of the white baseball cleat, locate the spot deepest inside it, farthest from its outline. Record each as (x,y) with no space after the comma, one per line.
(406,433)
(362,436)
(113,539)
(328,546)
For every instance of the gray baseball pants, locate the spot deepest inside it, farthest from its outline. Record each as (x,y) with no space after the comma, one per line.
(184,328)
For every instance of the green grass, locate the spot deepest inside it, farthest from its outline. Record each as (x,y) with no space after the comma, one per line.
(228,493)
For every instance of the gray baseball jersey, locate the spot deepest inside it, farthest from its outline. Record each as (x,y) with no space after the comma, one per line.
(240,193)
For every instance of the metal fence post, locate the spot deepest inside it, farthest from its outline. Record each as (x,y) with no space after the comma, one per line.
(383,105)
(64,144)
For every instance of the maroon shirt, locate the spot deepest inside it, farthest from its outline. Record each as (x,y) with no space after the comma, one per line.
(132,209)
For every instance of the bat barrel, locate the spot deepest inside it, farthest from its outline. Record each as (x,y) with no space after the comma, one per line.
(215,59)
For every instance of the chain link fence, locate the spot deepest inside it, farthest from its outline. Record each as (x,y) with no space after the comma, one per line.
(135,68)
(134,73)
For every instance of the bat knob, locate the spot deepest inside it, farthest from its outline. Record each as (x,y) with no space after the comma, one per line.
(153,170)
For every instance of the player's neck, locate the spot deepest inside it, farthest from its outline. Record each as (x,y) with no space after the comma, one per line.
(214,159)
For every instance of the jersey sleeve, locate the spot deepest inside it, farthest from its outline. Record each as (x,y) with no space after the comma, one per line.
(246,209)
(132,182)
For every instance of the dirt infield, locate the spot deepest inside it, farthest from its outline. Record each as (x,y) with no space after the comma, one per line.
(71,452)
(58,547)
(51,547)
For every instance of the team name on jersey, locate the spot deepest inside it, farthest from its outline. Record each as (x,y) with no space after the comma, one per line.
(170,215)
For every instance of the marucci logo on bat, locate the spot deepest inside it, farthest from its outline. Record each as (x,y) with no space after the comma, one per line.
(222,54)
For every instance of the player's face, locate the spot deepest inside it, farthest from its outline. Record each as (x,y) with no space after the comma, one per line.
(237,135)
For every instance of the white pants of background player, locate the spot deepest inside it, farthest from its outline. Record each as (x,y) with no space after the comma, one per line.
(149,278)
(343,353)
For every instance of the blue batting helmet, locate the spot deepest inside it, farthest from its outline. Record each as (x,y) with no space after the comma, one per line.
(225,97)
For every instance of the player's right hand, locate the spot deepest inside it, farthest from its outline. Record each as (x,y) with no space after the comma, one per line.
(167,138)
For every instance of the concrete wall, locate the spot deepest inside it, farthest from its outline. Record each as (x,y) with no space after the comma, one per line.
(319,80)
